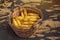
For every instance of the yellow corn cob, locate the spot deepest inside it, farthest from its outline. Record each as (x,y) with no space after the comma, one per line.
(25,12)
(33,20)
(34,17)
(25,19)
(22,14)
(26,23)
(18,21)
(20,18)
(15,23)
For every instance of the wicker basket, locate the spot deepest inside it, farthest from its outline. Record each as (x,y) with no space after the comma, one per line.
(25,33)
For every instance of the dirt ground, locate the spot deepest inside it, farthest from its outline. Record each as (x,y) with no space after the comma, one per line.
(48,30)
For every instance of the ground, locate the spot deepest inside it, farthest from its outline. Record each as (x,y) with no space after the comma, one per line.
(48,30)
